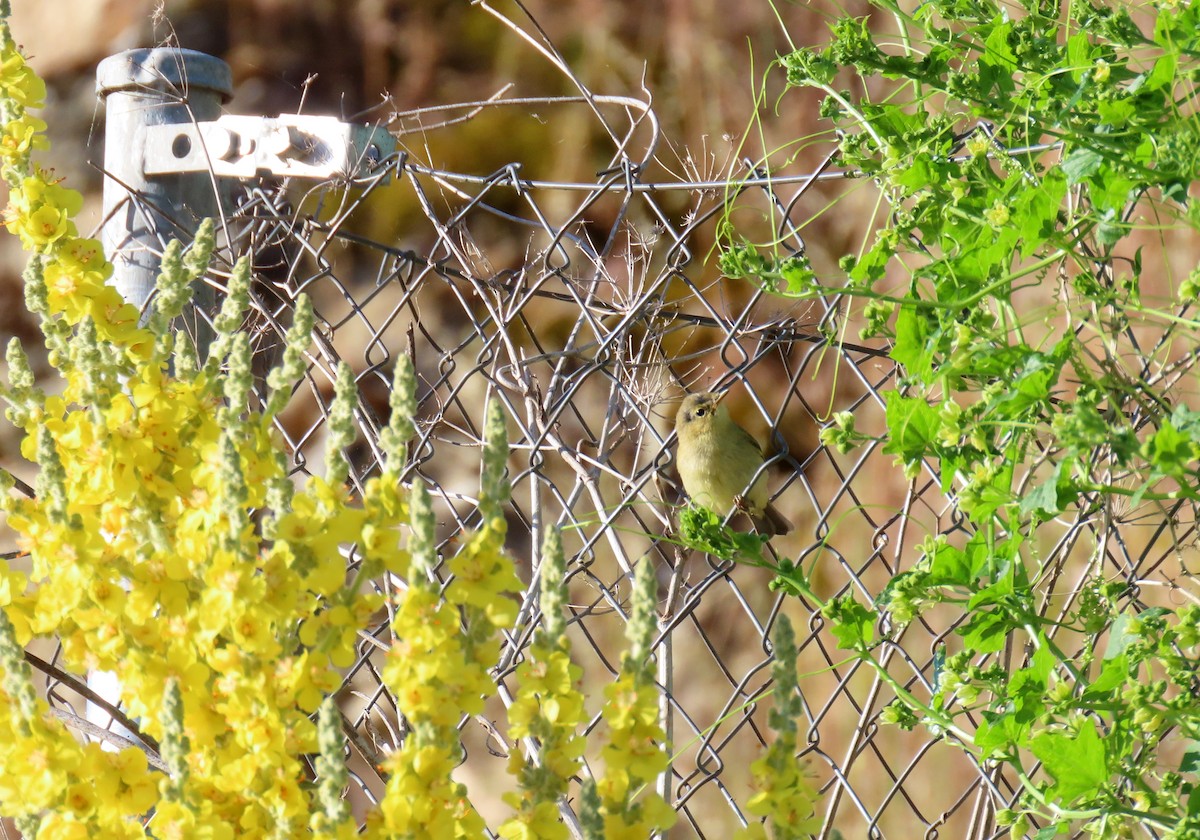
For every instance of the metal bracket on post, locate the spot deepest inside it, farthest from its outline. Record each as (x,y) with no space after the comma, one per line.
(169,155)
(288,146)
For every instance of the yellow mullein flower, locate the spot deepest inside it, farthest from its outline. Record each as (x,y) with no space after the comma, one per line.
(18,82)
(20,137)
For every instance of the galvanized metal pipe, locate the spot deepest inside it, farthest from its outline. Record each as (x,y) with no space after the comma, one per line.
(142,88)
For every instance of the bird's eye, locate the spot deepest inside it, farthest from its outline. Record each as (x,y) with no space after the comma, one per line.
(700,412)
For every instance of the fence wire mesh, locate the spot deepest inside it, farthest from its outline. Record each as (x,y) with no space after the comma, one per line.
(588,310)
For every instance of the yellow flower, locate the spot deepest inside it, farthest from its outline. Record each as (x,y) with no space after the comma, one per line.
(20,136)
(18,82)
(34,772)
(40,212)
(81,799)
(43,225)
(540,822)
(173,821)
(59,826)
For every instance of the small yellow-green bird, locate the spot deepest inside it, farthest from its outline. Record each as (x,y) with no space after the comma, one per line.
(717,458)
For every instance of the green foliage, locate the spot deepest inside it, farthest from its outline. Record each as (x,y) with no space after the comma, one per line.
(702,529)
(1023,153)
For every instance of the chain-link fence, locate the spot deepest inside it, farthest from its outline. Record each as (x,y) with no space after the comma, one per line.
(588,310)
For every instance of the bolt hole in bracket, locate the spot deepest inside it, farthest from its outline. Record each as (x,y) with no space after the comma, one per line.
(287,146)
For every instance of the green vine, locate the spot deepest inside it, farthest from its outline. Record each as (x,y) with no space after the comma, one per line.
(1027,154)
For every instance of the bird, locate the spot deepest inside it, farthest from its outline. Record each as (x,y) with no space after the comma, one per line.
(717,459)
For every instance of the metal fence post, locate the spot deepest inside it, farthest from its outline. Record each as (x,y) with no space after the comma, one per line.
(143,88)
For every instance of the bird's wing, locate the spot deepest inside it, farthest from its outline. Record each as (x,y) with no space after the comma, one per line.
(748,438)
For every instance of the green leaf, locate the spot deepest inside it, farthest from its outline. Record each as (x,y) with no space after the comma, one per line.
(912,425)
(998,52)
(993,495)
(1116,113)
(950,566)
(1041,664)
(1110,192)
(1109,227)
(1081,163)
(1114,673)
(911,348)
(1175,191)
(871,266)
(1077,764)
(1190,761)
(918,173)
(1080,52)
(999,735)
(798,274)
(1042,501)
(702,529)
(1027,688)
(1163,74)
(986,631)
(953,566)
(1170,451)
(1051,497)
(1036,211)
(853,625)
